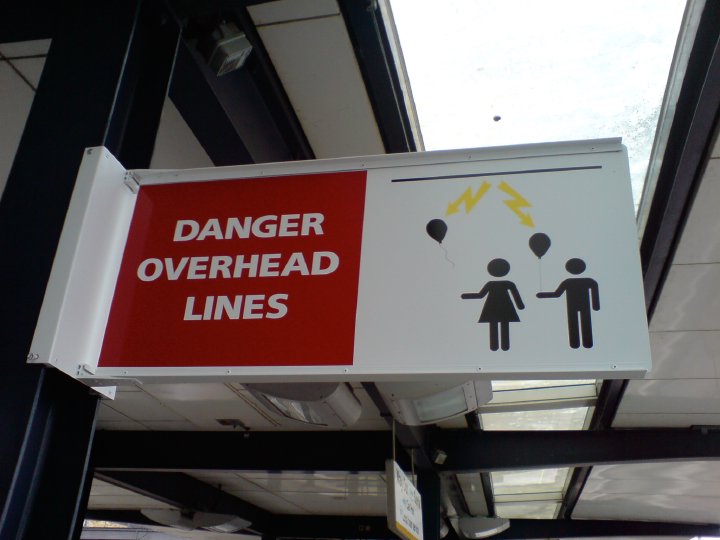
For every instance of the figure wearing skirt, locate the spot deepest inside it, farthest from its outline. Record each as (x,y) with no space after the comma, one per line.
(499,309)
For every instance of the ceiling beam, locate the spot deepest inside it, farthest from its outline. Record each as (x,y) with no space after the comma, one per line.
(374,54)
(321,450)
(26,20)
(565,528)
(689,145)
(368,450)
(351,527)
(508,450)
(188,493)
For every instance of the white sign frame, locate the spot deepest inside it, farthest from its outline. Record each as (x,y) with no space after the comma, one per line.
(82,284)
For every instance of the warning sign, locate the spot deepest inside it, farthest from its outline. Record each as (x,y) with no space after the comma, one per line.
(507,262)
(240,273)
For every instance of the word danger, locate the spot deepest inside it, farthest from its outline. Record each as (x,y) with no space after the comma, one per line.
(268,226)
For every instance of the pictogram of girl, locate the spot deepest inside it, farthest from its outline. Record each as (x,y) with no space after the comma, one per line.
(499,309)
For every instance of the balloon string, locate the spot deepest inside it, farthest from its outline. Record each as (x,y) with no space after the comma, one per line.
(446,256)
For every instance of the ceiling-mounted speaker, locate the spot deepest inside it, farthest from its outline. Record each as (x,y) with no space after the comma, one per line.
(323,404)
(226,49)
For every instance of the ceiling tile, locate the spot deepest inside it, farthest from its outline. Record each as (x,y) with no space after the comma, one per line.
(665,420)
(671,396)
(700,240)
(339,504)
(685,303)
(272,503)
(16,97)
(288,10)
(685,355)
(31,68)
(141,407)
(228,481)
(204,404)
(701,478)
(317,65)
(649,507)
(25,48)
(107,496)
(176,146)
(716,147)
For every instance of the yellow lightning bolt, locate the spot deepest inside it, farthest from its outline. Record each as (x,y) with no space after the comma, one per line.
(469,199)
(516,203)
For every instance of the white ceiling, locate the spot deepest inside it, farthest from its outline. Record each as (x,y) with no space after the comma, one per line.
(310,48)
(108,497)
(178,407)
(683,387)
(675,492)
(16,96)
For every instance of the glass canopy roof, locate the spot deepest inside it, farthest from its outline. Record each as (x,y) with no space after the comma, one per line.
(492,72)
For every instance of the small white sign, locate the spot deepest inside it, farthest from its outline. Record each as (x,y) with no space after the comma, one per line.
(404,504)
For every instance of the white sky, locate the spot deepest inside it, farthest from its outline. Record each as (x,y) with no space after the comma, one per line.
(552,70)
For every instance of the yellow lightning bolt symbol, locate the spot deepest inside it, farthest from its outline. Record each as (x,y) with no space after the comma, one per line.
(469,199)
(516,203)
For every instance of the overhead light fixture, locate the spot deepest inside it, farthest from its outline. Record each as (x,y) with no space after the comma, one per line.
(323,404)
(190,521)
(226,49)
(416,404)
(482,527)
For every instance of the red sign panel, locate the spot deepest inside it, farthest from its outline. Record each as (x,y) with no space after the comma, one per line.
(250,272)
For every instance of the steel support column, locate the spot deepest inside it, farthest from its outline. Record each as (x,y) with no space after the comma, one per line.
(98,87)
(429,488)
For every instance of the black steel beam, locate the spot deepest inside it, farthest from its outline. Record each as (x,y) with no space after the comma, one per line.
(473,421)
(188,493)
(382,81)
(583,528)
(696,115)
(351,527)
(142,90)
(26,20)
(428,484)
(611,393)
(507,450)
(203,111)
(48,419)
(368,450)
(327,451)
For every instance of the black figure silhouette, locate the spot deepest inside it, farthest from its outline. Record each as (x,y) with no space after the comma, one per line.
(499,309)
(580,294)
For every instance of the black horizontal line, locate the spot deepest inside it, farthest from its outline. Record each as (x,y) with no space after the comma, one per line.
(475,175)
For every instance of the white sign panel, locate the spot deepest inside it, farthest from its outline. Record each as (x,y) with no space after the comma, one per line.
(404,503)
(513,262)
